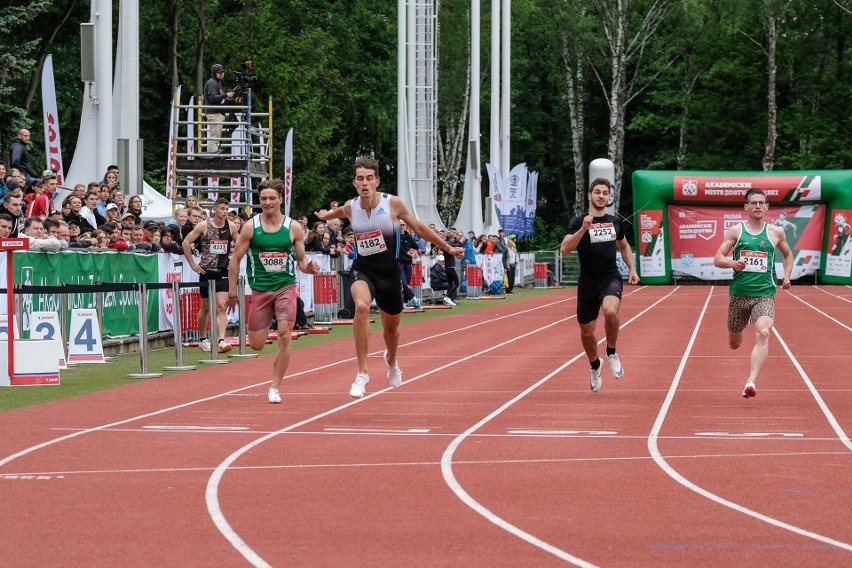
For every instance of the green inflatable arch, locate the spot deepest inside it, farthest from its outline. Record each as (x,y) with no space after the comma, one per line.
(655,191)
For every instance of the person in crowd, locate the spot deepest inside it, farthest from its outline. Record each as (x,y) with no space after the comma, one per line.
(272,240)
(469,250)
(134,205)
(73,231)
(51,228)
(334,228)
(38,237)
(596,237)
(103,197)
(19,158)
(215,95)
(407,251)
(89,212)
(75,207)
(5,225)
(80,191)
(152,231)
(754,243)
(438,276)
(140,243)
(111,178)
(169,241)
(196,215)
(3,188)
(192,201)
(349,247)
(450,267)
(232,215)
(374,218)
(303,221)
(179,220)
(313,242)
(301,322)
(214,235)
(42,205)
(117,196)
(111,213)
(128,218)
(511,262)
(13,205)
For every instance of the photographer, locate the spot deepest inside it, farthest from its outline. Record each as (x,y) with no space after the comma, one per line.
(214,94)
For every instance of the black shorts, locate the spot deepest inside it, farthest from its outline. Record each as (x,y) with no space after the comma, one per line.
(219,276)
(385,289)
(590,295)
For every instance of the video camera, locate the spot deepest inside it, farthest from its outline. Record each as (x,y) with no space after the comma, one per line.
(246,79)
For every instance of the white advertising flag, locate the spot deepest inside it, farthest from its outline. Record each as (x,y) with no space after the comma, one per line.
(52,143)
(288,172)
(170,164)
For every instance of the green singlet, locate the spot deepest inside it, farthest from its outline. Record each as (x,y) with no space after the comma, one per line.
(758,252)
(271,264)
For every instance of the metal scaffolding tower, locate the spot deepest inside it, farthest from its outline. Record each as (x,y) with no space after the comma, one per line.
(245,158)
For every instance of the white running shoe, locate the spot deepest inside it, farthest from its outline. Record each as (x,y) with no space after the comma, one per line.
(596,379)
(615,365)
(204,345)
(274,396)
(359,387)
(224,346)
(449,302)
(394,374)
(417,303)
(750,390)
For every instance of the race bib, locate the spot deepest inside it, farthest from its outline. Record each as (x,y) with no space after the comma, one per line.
(219,247)
(755,261)
(274,261)
(370,243)
(602,232)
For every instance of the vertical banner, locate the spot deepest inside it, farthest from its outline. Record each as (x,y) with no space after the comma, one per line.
(532,200)
(52,143)
(652,257)
(190,140)
(288,172)
(173,134)
(514,200)
(839,254)
(239,148)
(495,190)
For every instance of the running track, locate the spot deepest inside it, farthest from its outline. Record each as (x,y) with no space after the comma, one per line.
(493,453)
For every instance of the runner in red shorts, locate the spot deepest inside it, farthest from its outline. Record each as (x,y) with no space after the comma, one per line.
(273,240)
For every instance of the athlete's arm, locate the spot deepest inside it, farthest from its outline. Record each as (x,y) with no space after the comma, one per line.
(784,248)
(627,257)
(193,235)
(243,242)
(297,235)
(401,212)
(337,213)
(572,240)
(721,259)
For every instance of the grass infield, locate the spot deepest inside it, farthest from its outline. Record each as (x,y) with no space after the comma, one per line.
(85,379)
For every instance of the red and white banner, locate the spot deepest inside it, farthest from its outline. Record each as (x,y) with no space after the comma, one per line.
(190,141)
(172,156)
(839,257)
(288,172)
(652,258)
(734,188)
(697,233)
(52,142)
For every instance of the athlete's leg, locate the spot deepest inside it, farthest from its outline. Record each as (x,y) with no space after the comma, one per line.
(589,340)
(362,298)
(612,320)
(203,312)
(390,331)
(222,313)
(760,352)
(735,339)
(282,359)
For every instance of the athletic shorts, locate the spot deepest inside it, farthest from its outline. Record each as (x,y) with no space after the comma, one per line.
(742,309)
(281,303)
(219,276)
(590,295)
(386,290)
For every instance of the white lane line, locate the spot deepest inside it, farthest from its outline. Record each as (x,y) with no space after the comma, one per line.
(465,497)
(827,293)
(31,449)
(842,436)
(816,309)
(671,472)
(212,491)
(274,467)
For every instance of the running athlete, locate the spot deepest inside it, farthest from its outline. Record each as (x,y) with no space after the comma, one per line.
(752,292)
(596,237)
(272,241)
(375,219)
(216,235)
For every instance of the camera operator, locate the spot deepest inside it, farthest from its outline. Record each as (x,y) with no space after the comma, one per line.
(214,94)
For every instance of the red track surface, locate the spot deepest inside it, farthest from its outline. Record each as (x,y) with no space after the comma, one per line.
(493,453)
